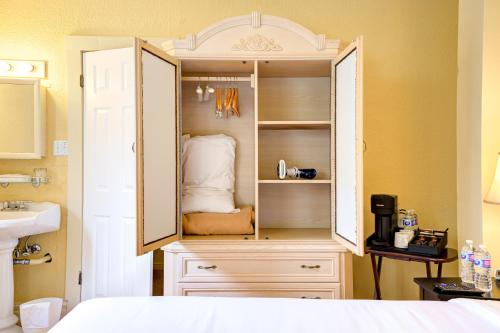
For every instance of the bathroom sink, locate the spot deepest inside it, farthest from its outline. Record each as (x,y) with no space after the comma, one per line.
(34,218)
(37,218)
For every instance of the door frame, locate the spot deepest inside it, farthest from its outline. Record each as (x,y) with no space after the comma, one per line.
(75,46)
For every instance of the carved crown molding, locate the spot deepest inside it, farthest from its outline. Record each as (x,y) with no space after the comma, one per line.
(257,41)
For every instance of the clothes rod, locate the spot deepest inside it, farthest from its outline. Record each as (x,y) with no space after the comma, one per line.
(218,78)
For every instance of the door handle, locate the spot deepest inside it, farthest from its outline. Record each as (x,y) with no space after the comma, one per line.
(305,297)
(207,267)
(133,147)
(310,267)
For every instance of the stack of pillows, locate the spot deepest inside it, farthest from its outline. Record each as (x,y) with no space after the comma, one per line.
(208,187)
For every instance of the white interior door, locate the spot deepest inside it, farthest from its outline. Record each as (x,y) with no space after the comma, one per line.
(347,75)
(110,266)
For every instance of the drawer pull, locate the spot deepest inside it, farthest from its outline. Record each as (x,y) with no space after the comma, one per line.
(207,267)
(305,297)
(311,267)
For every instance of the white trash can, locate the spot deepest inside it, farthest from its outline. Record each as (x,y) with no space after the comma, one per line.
(39,315)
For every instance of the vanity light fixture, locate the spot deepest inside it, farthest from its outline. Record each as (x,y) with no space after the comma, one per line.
(25,67)
(22,68)
(5,66)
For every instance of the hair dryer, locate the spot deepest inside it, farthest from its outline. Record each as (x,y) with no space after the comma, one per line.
(294,172)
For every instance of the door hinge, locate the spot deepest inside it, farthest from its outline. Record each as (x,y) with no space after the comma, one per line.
(80,278)
(81,80)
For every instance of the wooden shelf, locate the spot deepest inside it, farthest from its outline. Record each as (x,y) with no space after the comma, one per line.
(295,68)
(218,237)
(279,125)
(295,233)
(295,181)
(272,234)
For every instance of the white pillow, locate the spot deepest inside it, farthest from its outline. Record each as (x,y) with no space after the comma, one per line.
(208,162)
(207,200)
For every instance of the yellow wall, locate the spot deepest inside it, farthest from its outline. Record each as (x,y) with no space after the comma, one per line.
(491,123)
(410,99)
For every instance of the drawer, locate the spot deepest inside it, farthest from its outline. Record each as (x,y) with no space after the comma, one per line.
(261,268)
(279,290)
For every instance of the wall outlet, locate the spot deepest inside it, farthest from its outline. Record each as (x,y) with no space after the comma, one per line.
(60,148)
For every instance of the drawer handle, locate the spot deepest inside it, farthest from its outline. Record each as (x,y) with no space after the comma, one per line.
(311,267)
(305,297)
(207,267)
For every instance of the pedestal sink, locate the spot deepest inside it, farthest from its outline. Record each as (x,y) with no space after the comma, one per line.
(36,218)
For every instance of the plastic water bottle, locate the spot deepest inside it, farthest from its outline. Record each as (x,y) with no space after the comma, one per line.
(477,262)
(410,220)
(482,268)
(467,262)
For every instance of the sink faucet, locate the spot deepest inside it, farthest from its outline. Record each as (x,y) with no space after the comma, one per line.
(15,205)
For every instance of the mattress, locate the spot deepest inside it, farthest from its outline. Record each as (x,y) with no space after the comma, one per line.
(242,315)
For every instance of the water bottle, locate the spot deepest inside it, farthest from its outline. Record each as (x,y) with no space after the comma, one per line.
(410,221)
(477,262)
(482,268)
(467,262)
(401,216)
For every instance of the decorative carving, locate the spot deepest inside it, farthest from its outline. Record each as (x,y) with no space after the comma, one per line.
(257,43)
(288,32)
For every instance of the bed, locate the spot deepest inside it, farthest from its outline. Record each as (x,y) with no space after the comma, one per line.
(220,315)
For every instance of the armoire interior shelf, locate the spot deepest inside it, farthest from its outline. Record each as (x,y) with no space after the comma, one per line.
(270,234)
(295,233)
(217,237)
(295,181)
(306,124)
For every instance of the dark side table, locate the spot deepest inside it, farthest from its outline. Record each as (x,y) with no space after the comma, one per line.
(428,293)
(448,255)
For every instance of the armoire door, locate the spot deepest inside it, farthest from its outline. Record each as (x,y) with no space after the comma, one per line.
(347,81)
(157,147)
(110,266)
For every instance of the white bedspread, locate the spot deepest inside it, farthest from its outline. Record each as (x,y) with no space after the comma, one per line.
(273,315)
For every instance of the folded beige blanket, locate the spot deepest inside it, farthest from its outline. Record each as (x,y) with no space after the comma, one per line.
(219,223)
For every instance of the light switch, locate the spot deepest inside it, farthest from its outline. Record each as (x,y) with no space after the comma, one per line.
(60,148)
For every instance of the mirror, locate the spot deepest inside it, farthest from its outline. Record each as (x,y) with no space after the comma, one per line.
(158,154)
(22,124)
(345,114)
(160,172)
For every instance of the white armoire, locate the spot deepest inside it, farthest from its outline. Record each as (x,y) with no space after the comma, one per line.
(303,103)
(301,100)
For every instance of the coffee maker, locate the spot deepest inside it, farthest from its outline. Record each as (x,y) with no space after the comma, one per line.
(385,208)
